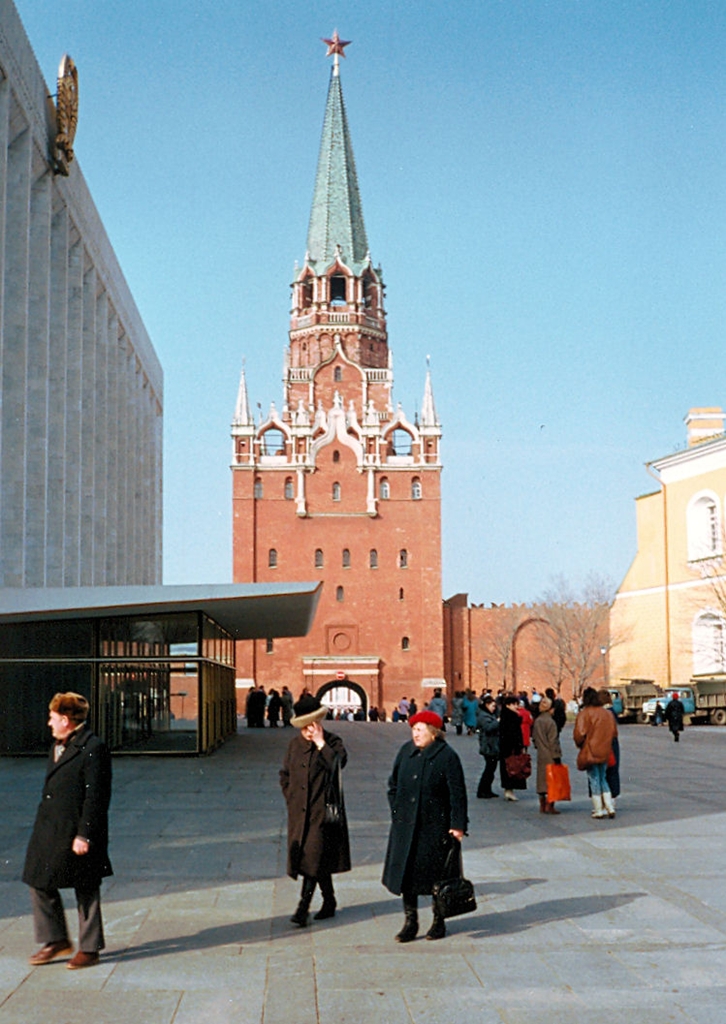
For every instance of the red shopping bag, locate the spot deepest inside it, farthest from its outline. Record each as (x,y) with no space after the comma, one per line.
(558,783)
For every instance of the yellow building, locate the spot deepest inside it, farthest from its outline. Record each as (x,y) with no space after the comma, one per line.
(668,621)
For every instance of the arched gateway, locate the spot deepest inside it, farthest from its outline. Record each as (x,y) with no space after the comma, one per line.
(342,694)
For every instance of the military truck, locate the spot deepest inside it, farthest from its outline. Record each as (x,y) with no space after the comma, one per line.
(629,697)
(710,698)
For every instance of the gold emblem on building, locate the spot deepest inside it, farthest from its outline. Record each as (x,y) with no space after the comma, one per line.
(66,106)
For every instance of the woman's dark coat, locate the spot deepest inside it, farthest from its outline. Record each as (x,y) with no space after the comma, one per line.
(674,713)
(427,796)
(74,802)
(510,742)
(313,848)
(488,727)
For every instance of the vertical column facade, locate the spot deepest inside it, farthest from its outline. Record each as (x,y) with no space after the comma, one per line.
(81,400)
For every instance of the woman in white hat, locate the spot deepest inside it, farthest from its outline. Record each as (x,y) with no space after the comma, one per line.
(316,849)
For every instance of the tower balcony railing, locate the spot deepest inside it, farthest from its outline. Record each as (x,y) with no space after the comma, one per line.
(299,374)
(348,316)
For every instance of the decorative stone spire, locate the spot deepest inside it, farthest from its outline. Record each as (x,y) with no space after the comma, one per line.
(336,218)
(242,415)
(428,409)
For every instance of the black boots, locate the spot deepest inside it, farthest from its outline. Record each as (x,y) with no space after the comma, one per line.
(329,902)
(438,927)
(301,917)
(410,925)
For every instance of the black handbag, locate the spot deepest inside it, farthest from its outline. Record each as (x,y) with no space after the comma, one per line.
(334,803)
(454,895)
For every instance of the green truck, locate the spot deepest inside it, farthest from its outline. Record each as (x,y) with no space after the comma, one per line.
(629,697)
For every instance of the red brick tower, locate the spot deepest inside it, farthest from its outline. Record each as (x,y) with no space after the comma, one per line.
(340,485)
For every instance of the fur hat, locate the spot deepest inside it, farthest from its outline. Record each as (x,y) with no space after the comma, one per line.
(307,710)
(427,718)
(72,705)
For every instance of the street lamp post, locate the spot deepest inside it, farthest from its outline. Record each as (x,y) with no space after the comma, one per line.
(603,652)
(486,671)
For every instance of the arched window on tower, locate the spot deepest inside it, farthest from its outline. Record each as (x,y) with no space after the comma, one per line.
(336,491)
(338,373)
(403,559)
(339,594)
(337,291)
(336,456)
(373,559)
(273,442)
(401,442)
(258,488)
(400,593)
(306,293)
(319,562)
(272,558)
(346,558)
(416,489)
(289,489)
(405,643)
(384,490)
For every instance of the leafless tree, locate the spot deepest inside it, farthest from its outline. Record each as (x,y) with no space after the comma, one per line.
(579,630)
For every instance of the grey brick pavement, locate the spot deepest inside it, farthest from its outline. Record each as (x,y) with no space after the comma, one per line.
(578,921)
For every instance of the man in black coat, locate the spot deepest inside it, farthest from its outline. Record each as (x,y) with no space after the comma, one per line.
(69,844)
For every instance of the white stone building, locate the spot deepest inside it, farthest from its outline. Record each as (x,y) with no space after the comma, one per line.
(81,388)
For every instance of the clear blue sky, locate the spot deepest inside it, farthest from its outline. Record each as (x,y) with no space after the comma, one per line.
(543,183)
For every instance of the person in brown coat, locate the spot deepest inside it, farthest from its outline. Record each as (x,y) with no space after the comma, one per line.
(546,739)
(594,732)
(315,849)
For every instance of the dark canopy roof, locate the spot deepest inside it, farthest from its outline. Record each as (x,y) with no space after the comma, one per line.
(248,611)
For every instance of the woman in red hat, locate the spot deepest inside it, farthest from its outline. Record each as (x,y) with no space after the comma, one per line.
(427,796)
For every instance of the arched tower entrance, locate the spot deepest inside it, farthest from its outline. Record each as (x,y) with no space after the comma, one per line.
(343,695)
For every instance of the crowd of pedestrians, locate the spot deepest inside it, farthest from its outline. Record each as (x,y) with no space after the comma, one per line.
(427,798)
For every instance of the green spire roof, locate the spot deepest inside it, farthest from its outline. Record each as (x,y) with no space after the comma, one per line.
(336,218)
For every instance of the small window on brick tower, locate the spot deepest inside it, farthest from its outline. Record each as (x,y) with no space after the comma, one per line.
(346,558)
(338,373)
(269,646)
(384,489)
(400,593)
(336,492)
(318,558)
(416,489)
(258,488)
(403,559)
(373,561)
(336,456)
(405,643)
(339,594)
(337,291)
(289,489)
(272,558)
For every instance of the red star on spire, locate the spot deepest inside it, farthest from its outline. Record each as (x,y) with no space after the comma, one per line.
(336,45)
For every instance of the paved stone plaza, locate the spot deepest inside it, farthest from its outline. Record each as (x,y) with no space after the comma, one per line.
(579,922)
